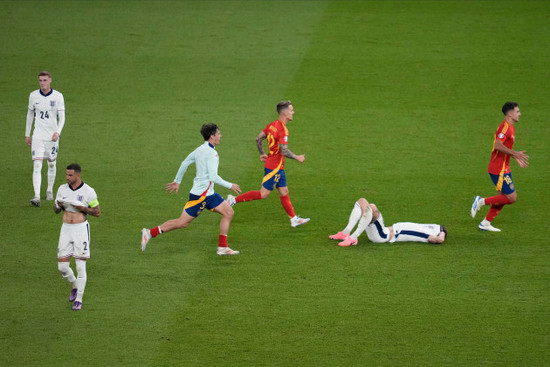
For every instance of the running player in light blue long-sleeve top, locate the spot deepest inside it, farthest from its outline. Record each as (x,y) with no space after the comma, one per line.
(202,195)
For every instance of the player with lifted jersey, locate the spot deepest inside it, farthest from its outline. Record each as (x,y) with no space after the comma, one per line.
(47,109)
(276,134)
(77,200)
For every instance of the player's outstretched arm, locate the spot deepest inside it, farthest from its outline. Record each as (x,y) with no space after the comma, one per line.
(519,156)
(172,186)
(236,188)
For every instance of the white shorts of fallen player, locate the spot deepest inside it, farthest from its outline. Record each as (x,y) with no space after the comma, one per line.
(74,241)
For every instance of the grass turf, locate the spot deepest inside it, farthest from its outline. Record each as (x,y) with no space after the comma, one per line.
(396,102)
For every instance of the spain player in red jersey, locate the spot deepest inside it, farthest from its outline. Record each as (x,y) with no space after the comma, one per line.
(276,134)
(499,168)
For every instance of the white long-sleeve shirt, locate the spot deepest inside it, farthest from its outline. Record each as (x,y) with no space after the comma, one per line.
(48,112)
(206,161)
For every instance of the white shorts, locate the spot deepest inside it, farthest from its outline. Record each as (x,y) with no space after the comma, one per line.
(74,240)
(415,232)
(377,232)
(44,149)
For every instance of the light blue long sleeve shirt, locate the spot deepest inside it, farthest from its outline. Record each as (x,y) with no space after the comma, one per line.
(206,161)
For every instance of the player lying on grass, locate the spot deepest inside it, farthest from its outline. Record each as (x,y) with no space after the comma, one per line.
(371,221)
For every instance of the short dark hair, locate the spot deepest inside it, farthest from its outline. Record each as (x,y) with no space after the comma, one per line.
(74,167)
(283,105)
(45,73)
(508,106)
(207,130)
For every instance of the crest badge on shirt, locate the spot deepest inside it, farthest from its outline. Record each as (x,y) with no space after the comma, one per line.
(80,198)
(52,103)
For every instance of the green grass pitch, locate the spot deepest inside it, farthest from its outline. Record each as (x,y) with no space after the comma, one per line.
(395,101)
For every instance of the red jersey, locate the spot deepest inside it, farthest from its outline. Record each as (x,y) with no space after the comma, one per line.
(500,162)
(276,133)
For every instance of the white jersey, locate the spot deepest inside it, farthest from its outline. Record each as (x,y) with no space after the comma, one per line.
(45,109)
(83,195)
(415,232)
(206,161)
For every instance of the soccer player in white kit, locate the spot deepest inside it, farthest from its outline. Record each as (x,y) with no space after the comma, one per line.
(368,218)
(77,200)
(47,109)
(202,195)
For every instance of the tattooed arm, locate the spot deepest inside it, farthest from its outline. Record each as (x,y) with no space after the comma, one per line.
(287,153)
(260,144)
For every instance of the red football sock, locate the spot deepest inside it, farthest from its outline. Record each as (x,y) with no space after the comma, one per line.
(285,200)
(223,241)
(248,196)
(493,212)
(155,231)
(497,200)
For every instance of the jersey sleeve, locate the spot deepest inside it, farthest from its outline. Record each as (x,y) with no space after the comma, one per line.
(31,107)
(190,159)
(61,103)
(92,199)
(503,133)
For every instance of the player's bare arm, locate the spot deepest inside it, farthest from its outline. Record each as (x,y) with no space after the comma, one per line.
(260,144)
(95,211)
(57,207)
(519,156)
(287,153)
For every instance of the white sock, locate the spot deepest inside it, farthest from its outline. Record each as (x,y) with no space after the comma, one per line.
(37,177)
(51,175)
(485,222)
(67,272)
(365,220)
(81,280)
(353,218)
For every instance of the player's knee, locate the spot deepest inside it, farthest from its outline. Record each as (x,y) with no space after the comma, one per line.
(181,223)
(513,197)
(363,203)
(375,212)
(38,165)
(228,212)
(51,164)
(63,267)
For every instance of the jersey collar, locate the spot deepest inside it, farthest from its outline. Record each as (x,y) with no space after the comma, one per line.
(45,95)
(79,186)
